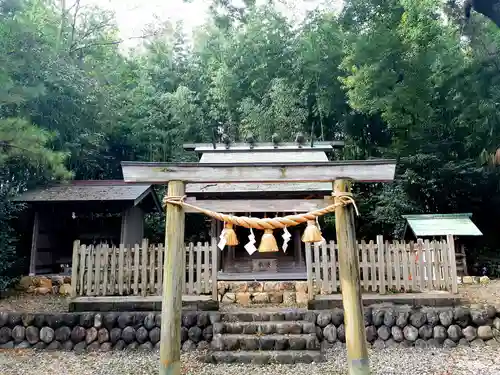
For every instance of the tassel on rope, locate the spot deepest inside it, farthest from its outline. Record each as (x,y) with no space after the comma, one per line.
(230,235)
(312,233)
(268,243)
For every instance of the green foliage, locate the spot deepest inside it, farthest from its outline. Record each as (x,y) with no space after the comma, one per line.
(393,78)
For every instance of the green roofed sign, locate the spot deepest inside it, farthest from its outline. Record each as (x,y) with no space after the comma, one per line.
(442,225)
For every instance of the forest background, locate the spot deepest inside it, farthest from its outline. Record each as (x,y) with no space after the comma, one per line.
(406,79)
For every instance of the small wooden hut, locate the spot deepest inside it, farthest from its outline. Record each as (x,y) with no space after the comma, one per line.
(92,212)
(261,200)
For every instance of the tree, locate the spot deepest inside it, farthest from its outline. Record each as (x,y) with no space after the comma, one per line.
(489,8)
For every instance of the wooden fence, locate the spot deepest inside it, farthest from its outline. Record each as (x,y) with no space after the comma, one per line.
(138,270)
(384,266)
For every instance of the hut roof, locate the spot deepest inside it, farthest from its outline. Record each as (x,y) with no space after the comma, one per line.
(92,191)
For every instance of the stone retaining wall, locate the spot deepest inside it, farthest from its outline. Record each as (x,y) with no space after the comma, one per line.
(100,332)
(385,327)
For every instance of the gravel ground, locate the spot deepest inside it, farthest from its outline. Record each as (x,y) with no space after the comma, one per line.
(458,361)
(35,304)
(476,293)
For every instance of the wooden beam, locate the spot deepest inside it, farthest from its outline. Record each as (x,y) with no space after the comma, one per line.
(262,146)
(258,205)
(365,171)
(174,267)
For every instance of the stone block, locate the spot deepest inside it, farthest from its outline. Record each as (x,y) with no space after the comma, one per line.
(42,291)
(485,333)
(301,287)
(371,333)
(188,346)
(62,334)
(43,282)
(493,343)
(25,283)
(477,343)
(7,345)
(297,343)
(410,333)
(228,298)
(384,332)
(418,319)
(448,343)
(106,347)
(91,335)
(454,333)
(32,335)
(128,334)
(154,335)
(54,345)
(23,345)
(467,280)
(133,346)
(4,318)
(260,297)
(255,287)
(5,335)
(378,344)
(440,334)
(195,334)
(142,335)
(330,333)
(484,280)
(18,334)
(479,317)
(397,333)
(271,286)
(461,315)
(276,297)
(289,297)
(238,287)
(287,286)
(470,333)
(47,335)
(302,298)
(65,289)
(249,343)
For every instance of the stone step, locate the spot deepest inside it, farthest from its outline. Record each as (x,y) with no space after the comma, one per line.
(266,327)
(263,358)
(266,315)
(228,342)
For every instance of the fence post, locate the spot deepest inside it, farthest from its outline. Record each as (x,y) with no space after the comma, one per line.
(357,352)
(381,263)
(453,263)
(310,282)
(75,268)
(215,254)
(174,267)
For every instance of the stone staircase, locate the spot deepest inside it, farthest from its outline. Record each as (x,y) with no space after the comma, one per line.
(265,337)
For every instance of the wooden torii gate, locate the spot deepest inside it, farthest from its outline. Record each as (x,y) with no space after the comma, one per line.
(339,173)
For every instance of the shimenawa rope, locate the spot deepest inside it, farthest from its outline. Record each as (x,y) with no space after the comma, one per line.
(341,199)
